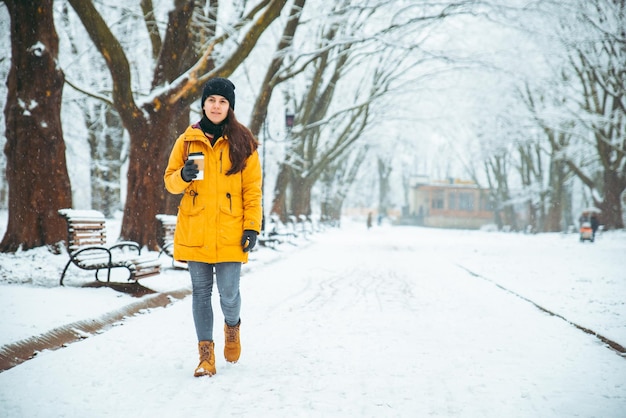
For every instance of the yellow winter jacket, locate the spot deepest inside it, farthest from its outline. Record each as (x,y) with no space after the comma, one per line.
(214,212)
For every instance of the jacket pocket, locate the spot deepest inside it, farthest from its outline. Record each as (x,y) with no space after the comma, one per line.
(190,226)
(231,220)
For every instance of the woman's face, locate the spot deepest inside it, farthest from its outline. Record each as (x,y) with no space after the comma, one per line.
(216,108)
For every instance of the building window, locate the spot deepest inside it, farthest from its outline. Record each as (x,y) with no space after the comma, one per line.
(437,202)
(466,201)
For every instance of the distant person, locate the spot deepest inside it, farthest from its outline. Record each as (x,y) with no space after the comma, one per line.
(593,220)
(369,220)
(219,216)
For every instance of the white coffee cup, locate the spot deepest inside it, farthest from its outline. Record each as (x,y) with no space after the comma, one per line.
(198,158)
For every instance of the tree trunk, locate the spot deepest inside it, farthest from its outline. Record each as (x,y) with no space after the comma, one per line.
(336,182)
(175,128)
(301,197)
(496,172)
(146,194)
(611,205)
(106,142)
(39,184)
(279,203)
(384,187)
(558,196)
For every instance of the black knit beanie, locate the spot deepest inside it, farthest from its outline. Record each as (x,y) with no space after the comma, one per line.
(222,87)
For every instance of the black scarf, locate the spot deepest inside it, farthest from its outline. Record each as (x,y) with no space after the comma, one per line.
(212,129)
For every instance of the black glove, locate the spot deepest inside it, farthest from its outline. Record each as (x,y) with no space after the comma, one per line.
(189,171)
(248,240)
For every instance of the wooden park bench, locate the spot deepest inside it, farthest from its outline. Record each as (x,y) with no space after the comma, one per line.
(166,226)
(275,233)
(305,224)
(88,249)
(266,241)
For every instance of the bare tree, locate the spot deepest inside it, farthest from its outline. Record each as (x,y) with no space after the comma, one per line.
(152,123)
(337,180)
(273,76)
(105,132)
(496,154)
(366,57)
(592,81)
(329,118)
(497,171)
(39,184)
(552,205)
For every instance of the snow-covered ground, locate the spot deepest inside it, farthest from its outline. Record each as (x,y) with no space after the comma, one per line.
(392,321)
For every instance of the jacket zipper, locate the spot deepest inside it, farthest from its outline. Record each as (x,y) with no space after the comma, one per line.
(230,202)
(221,162)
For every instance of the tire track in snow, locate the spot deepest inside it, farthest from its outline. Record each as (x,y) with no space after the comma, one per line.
(615,346)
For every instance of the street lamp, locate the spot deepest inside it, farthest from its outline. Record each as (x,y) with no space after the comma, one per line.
(289,117)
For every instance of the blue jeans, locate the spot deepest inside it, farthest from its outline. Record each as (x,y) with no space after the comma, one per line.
(227,277)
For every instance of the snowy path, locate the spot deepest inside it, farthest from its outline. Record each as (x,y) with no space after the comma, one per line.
(357,324)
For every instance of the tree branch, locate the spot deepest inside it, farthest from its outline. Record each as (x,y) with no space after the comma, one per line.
(113,54)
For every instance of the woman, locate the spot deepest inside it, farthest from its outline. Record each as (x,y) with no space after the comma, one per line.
(219,216)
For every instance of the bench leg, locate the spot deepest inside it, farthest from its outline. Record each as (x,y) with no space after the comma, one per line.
(97,271)
(108,274)
(130,274)
(64,270)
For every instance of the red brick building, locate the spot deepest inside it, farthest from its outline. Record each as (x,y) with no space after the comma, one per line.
(449,204)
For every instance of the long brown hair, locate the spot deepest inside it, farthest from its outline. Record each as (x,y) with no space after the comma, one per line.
(241,142)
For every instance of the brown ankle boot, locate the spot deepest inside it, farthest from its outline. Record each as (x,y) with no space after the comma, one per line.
(232,345)
(207,359)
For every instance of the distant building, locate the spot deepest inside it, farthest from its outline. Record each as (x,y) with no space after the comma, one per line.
(449,204)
